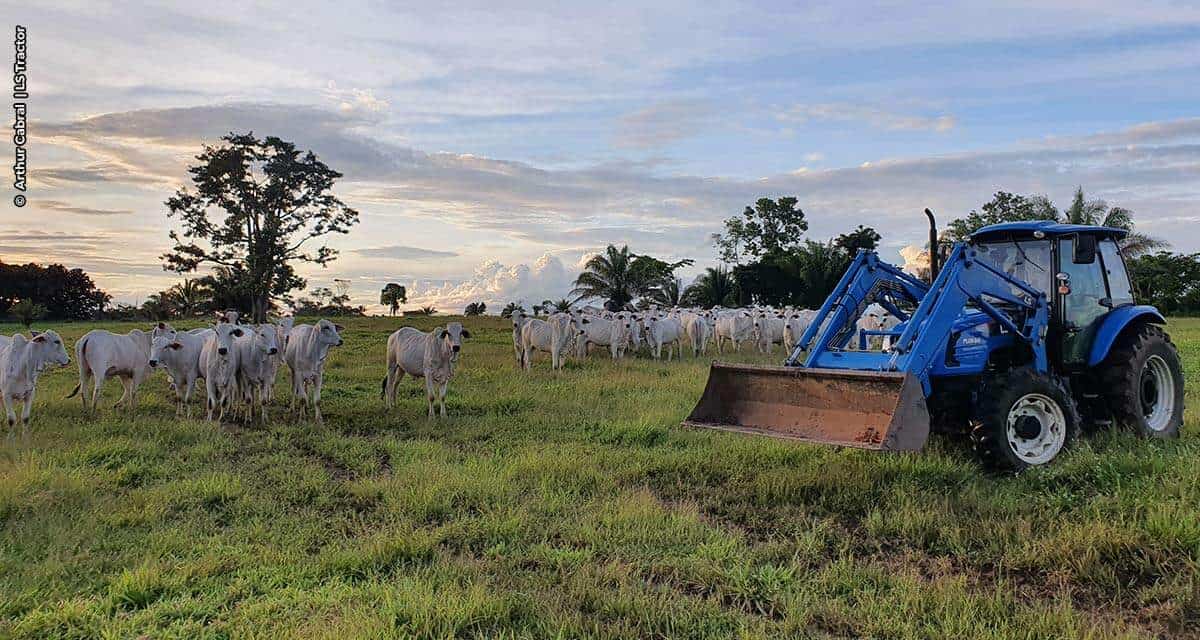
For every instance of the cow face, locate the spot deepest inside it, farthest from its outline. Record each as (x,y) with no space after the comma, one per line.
(49,348)
(455,333)
(329,333)
(265,339)
(162,345)
(225,334)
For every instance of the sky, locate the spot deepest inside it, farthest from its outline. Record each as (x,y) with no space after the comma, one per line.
(491,147)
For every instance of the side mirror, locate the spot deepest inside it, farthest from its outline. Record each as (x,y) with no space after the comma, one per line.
(1085,249)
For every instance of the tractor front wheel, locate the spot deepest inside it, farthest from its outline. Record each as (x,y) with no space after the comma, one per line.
(1022,418)
(1143,382)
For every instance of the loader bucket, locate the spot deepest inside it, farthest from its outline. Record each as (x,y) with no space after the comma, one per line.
(884,411)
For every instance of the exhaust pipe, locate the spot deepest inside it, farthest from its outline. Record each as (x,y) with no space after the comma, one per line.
(933,246)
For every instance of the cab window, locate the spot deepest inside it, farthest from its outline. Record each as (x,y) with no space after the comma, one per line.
(1082,306)
(1119,290)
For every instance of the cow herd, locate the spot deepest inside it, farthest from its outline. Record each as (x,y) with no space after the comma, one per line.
(626,333)
(238,363)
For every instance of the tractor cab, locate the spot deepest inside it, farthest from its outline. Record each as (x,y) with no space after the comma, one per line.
(1079,268)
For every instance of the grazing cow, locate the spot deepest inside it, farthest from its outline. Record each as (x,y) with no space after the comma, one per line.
(219,364)
(421,355)
(664,331)
(307,347)
(768,331)
(734,326)
(179,353)
(257,351)
(21,361)
(102,354)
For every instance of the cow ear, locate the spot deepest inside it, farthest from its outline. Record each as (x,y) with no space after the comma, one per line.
(38,337)
(222,319)
(238,332)
(445,334)
(35,332)
(466,334)
(338,328)
(175,345)
(162,325)
(585,321)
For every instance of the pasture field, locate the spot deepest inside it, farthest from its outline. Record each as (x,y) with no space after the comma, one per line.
(571,504)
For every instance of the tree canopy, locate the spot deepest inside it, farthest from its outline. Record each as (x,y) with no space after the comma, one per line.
(62,293)
(770,226)
(392,296)
(619,276)
(253,208)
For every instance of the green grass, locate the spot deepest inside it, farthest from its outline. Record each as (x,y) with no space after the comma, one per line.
(570,504)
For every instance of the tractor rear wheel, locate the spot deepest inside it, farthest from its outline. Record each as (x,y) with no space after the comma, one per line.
(1143,383)
(1022,418)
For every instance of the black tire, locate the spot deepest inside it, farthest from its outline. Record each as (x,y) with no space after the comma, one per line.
(1024,391)
(1139,358)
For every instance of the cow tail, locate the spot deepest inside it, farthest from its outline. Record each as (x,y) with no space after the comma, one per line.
(383,389)
(81,356)
(75,391)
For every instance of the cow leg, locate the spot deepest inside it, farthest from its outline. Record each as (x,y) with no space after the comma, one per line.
(97,386)
(11,412)
(315,397)
(429,393)
(443,396)
(527,358)
(25,414)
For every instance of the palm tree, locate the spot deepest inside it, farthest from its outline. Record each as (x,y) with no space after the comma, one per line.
(189,298)
(1097,212)
(608,276)
(510,309)
(715,287)
(668,294)
(562,305)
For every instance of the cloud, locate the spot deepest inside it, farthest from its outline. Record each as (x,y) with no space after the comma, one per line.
(63,207)
(498,284)
(663,123)
(401,252)
(875,117)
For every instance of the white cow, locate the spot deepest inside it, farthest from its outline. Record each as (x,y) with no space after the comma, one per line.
(768,332)
(734,326)
(664,331)
(613,334)
(795,325)
(422,355)
(179,353)
(219,364)
(102,354)
(307,347)
(697,329)
(564,327)
(536,335)
(282,328)
(874,318)
(21,361)
(257,351)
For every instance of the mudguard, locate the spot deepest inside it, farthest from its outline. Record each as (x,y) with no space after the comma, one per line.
(1114,323)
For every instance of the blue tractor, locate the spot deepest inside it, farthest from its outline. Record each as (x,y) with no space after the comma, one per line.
(1028,334)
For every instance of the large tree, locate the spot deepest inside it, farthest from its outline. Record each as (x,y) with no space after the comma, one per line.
(619,276)
(254,207)
(770,226)
(1169,281)
(715,287)
(1097,212)
(392,296)
(64,294)
(1003,207)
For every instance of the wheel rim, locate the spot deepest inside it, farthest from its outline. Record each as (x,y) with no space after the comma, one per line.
(1157,393)
(1051,428)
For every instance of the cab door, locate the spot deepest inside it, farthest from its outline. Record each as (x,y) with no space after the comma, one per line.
(1082,297)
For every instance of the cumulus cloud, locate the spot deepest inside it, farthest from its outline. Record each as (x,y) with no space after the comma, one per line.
(498,284)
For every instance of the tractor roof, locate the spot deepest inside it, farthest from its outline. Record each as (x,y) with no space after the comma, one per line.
(1047,227)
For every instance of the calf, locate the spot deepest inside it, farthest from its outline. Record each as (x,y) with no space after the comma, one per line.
(606,333)
(21,361)
(102,354)
(282,328)
(219,364)
(794,327)
(564,328)
(179,354)
(536,335)
(697,330)
(419,354)
(735,327)
(257,350)
(307,347)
